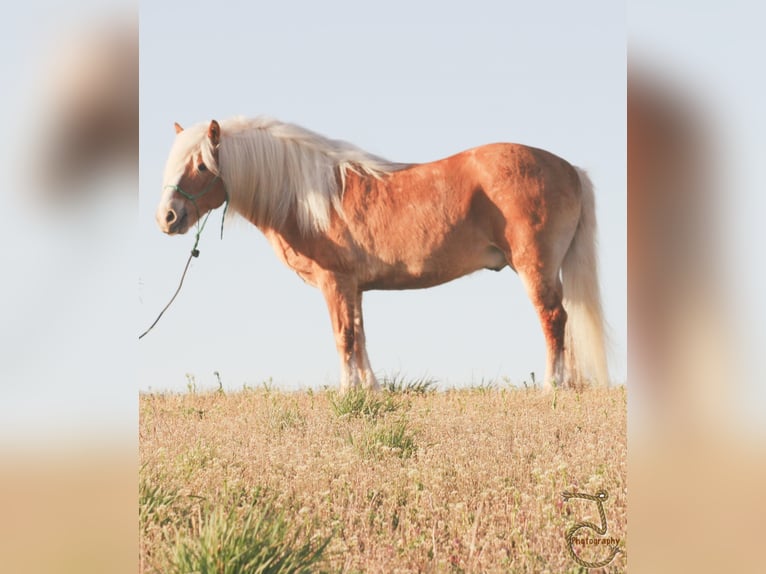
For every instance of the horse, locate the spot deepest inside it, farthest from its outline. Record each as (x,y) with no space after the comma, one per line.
(347,221)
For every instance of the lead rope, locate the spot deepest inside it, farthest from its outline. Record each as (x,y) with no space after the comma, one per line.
(194,250)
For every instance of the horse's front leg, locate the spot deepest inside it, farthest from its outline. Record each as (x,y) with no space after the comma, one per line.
(341,299)
(369,381)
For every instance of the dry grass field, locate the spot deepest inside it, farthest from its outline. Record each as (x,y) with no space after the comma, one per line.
(408,480)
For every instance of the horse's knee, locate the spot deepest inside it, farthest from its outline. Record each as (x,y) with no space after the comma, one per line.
(344,340)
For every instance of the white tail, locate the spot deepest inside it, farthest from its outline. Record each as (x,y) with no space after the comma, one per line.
(584,338)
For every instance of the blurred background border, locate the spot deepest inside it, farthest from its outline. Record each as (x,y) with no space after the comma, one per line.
(696,204)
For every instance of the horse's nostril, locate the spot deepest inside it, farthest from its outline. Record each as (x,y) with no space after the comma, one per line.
(170,217)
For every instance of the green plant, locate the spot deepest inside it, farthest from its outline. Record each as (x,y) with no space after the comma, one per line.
(284,417)
(396,383)
(394,438)
(155,503)
(484,386)
(220,390)
(244,541)
(191,384)
(361,403)
(533,384)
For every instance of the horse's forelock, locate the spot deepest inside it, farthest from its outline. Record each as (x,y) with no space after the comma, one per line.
(187,143)
(209,156)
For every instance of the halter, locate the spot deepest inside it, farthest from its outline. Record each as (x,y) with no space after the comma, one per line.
(194,198)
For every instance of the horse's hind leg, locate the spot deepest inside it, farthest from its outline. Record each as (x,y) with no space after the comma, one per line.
(545,292)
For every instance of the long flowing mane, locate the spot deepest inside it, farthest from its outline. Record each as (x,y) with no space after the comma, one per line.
(270,168)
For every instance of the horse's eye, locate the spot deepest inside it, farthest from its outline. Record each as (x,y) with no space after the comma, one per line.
(202,167)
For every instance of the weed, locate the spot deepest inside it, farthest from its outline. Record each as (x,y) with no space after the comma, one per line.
(155,502)
(268,385)
(533,384)
(361,403)
(386,438)
(253,540)
(191,384)
(283,417)
(396,383)
(484,386)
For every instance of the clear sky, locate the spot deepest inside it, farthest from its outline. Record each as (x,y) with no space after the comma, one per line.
(410,81)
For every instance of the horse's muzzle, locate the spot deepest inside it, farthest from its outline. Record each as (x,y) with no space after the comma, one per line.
(173,221)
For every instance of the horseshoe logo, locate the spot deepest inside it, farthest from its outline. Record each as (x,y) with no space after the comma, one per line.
(599,499)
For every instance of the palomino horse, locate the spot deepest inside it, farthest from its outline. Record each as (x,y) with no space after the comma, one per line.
(347,222)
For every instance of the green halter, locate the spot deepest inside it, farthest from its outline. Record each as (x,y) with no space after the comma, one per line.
(193,199)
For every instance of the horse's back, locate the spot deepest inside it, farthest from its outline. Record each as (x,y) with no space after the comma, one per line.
(526,200)
(509,188)
(433,222)
(525,169)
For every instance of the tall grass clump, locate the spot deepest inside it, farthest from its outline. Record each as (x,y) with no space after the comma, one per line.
(394,438)
(283,417)
(155,503)
(256,540)
(361,403)
(396,383)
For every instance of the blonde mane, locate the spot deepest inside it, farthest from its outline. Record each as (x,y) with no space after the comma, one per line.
(271,168)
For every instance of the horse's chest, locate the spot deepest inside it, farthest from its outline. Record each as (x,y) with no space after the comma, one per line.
(304,266)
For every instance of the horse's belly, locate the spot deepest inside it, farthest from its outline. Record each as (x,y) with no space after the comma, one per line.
(423,273)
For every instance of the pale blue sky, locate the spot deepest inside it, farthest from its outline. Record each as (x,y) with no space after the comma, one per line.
(411,82)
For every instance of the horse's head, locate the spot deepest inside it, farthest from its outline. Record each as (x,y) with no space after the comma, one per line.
(192,184)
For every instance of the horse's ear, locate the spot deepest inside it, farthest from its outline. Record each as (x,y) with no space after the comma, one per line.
(178,127)
(214,133)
